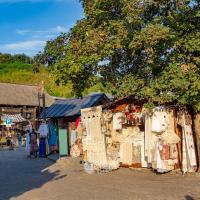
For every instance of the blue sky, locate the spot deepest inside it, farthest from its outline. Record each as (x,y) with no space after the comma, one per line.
(25,25)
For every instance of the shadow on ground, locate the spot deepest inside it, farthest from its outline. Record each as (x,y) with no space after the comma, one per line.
(188,197)
(19,174)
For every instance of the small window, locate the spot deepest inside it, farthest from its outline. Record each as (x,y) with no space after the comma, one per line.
(28,115)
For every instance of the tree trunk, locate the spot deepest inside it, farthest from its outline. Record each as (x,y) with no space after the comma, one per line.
(197,137)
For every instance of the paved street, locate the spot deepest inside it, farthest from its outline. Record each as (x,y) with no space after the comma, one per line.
(41,179)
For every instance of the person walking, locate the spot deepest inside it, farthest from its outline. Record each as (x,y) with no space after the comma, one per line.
(19,137)
(14,141)
(8,139)
(1,136)
(28,142)
(33,143)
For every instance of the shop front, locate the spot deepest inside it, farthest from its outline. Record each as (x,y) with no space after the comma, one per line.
(127,134)
(11,125)
(63,120)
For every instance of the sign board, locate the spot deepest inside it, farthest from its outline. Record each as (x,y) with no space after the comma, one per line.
(8,121)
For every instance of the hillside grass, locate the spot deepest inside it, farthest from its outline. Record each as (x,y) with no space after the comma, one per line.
(20,73)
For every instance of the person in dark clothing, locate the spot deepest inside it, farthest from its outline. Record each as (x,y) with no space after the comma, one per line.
(33,143)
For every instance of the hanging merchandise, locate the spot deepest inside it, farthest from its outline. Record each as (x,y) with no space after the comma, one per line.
(53,137)
(139,147)
(134,137)
(158,163)
(137,154)
(170,137)
(73,137)
(126,153)
(118,120)
(132,147)
(148,138)
(94,141)
(42,147)
(159,120)
(98,152)
(53,140)
(106,120)
(133,115)
(75,151)
(160,149)
(43,130)
(189,159)
(80,130)
(165,152)
(107,115)
(173,151)
(78,121)
(189,156)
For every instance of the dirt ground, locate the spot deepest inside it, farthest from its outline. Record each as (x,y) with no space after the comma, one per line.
(40,179)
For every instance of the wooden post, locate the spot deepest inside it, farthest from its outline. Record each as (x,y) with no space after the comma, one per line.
(41,95)
(44,107)
(38,117)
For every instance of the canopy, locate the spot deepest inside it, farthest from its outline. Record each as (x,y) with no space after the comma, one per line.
(16,118)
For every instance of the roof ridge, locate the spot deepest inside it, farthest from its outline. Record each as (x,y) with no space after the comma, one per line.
(20,84)
(79,98)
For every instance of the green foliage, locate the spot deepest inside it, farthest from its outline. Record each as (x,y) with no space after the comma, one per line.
(16,66)
(8,58)
(149,48)
(21,73)
(54,51)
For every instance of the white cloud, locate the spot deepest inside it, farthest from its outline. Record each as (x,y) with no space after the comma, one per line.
(35,40)
(59,29)
(44,37)
(36,33)
(22,32)
(30,47)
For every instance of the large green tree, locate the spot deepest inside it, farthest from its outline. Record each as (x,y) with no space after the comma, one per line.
(149,48)
(54,51)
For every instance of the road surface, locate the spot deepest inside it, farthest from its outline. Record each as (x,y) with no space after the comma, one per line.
(41,179)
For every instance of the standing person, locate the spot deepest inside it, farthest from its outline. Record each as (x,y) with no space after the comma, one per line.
(1,136)
(8,138)
(19,137)
(28,142)
(43,131)
(33,143)
(14,141)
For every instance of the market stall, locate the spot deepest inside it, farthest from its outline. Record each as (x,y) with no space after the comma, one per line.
(127,134)
(11,125)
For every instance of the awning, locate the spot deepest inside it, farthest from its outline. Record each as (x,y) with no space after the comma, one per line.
(16,118)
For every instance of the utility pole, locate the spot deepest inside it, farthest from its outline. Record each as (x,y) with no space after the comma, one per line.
(41,101)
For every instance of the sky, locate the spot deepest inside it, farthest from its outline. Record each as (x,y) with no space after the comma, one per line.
(26,25)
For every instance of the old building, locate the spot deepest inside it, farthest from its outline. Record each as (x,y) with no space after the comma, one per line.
(21,100)
(64,116)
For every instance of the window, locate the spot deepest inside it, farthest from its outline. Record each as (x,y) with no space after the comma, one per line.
(28,115)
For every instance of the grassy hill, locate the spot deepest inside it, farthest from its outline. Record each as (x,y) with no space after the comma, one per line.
(21,73)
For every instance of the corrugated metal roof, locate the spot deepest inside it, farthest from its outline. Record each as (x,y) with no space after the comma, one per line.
(71,107)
